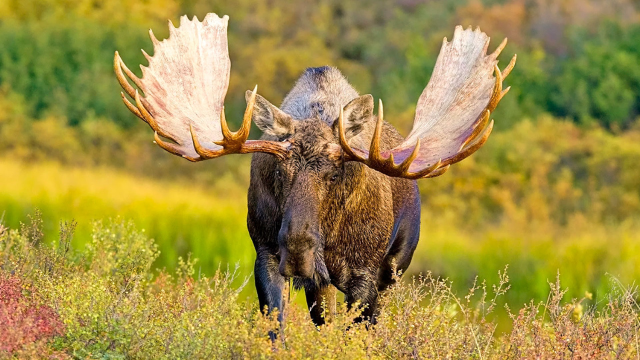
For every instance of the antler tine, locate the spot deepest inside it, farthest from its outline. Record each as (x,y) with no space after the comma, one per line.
(343,139)
(499,49)
(139,109)
(470,149)
(390,162)
(438,172)
(146,56)
(124,83)
(130,106)
(497,90)
(204,153)
(224,127)
(153,38)
(243,133)
(509,67)
(374,148)
(478,128)
(173,148)
(148,118)
(404,166)
(504,92)
(505,73)
(234,140)
(375,158)
(145,115)
(498,93)
(120,66)
(423,173)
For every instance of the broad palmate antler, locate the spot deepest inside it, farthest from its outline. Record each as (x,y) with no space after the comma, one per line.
(184,88)
(452,116)
(186,82)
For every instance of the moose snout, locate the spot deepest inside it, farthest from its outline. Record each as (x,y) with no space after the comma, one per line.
(297,254)
(300,264)
(299,235)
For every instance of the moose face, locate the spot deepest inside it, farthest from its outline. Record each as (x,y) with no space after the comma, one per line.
(309,179)
(304,184)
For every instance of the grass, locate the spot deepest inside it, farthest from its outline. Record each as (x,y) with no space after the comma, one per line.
(181,218)
(106,302)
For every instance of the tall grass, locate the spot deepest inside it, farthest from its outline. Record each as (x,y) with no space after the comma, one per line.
(180,217)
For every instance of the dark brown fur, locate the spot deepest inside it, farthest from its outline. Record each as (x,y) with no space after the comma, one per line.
(321,220)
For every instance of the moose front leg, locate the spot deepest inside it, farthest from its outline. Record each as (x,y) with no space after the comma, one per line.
(363,290)
(321,302)
(270,284)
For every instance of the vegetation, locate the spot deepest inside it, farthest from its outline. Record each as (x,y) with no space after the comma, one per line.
(578,58)
(106,302)
(525,200)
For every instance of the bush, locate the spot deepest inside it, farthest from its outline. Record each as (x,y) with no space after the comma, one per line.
(106,302)
(25,325)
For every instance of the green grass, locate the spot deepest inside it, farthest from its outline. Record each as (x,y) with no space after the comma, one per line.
(181,218)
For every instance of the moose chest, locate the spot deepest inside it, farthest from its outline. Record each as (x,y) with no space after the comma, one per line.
(360,235)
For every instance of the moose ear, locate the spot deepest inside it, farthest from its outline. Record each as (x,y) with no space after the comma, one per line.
(355,114)
(270,119)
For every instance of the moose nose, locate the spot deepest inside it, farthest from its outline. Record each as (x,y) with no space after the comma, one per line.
(298,264)
(285,269)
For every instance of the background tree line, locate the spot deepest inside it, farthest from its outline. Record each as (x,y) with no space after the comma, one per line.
(578,58)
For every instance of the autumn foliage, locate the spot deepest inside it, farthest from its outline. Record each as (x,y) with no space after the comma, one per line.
(25,324)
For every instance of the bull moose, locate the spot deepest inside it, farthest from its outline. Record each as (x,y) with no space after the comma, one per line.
(333,199)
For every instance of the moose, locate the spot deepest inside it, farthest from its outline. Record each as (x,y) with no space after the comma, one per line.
(333,200)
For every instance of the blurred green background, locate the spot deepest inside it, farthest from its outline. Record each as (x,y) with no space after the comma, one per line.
(556,188)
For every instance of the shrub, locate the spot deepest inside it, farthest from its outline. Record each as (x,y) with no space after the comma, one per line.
(25,325)
(106,302)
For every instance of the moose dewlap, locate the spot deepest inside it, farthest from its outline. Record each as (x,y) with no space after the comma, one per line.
(333,200)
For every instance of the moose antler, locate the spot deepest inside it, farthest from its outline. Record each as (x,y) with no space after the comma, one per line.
(452,116)
(184,88)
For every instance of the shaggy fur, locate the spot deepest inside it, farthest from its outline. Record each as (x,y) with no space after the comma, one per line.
(323,221)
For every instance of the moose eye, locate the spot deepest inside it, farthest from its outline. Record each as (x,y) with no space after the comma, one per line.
(333,178)
(277,173)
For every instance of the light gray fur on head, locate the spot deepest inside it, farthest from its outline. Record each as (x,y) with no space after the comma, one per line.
(319,93)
